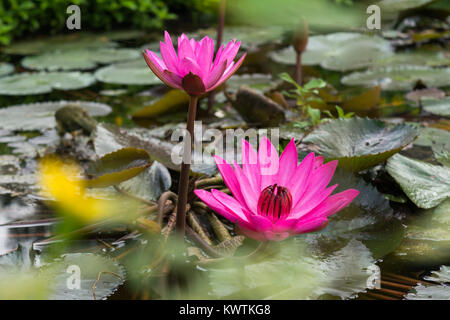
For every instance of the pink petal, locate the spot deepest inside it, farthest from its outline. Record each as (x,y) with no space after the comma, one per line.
(251,233)
(260,223)
(333,204)
(229,177)
(216,206)
(276,236)
(231,204)
(284,225)
(228,74)
(268,162)
(215,74)
(310,202)
(299,181)
(304,225)
(288,164)
(174,78)
(250,166)
(251,195)
(168,53)
(155,66)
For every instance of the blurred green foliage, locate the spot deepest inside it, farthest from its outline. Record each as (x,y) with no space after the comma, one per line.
(20,18)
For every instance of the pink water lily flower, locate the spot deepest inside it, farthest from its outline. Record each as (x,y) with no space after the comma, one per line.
(194,68)
(274,198)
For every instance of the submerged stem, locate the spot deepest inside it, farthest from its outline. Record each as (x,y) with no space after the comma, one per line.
(185,168)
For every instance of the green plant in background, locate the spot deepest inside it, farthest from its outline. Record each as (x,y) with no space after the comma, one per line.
(19,18)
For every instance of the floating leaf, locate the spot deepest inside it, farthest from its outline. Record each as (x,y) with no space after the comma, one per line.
(171,100)
(150,183)
(109,273)
(256,81)
(425,184)
(42,82)
(360,143)
(134,72)
(420,57)
(117,166)
(336,51)
(40,116)
(80,59)
(6,68)
(440,107)
(394,78)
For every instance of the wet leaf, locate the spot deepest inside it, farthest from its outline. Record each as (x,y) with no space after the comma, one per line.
(171,100)
(134,72)
(41,116)
(440,107)
(150,183)
(336,51)
(360,143)
(399,77)
(6,68)
(117,166)
(425,184)
(80,59)
(43,82)
(256,81)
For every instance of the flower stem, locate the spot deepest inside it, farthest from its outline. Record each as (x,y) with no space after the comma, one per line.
(298,69)
(185,168)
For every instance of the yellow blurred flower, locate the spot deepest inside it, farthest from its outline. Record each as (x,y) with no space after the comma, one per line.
(63,183)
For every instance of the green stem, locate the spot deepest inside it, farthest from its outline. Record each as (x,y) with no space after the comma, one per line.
(185,168)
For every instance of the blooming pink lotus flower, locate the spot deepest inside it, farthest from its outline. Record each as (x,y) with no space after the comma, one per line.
(194,69)
(274,198)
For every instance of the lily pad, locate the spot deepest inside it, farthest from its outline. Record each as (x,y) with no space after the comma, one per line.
(360,143)
(440,107)
(80,59)
(336,51)
(63,42)
(92,267)
(418,57)
(171,100)
(425,184)
(116,167)
(401,77)
(41,116)
(43,82)
(6,68)
(134,72)
(256,81)
(150,183)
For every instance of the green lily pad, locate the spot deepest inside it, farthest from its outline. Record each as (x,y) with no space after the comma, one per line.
(116,167)
(401,77)
(432,136)
(295,271)
(368,218)
(427,239)
(336,51)
(43,82)
(135,72)
(41,116)
(150,183)
(425,184)
(6,68)
(418,57)
(90,266)
(400,5)
(440,107)
(73,41)
(256,81)
(360,143)
(80,59)
(442,153)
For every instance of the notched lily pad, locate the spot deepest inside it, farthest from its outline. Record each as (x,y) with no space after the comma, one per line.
(399,77)
(360,143)
(80,59)
(116,167)
(27,83)
(41,115)
(425,184)
(134,72)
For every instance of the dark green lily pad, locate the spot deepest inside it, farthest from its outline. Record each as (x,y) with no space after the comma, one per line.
(6,68)
(368,218)
(360,143)
(400,5)
(440,107)
(63,42)
(295,271)
(43,82)
(150,183)
(400,77)
(116,167)
(425,184)
(336,51)
(80,59)
(135,72)
(427,239)
(41,116)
